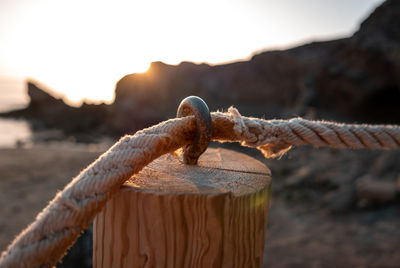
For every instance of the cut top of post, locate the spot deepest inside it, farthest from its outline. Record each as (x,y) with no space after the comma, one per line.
(218,171)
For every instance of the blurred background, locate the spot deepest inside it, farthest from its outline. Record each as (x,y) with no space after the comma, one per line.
(76,75)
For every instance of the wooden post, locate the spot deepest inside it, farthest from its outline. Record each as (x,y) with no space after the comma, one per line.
(176,215)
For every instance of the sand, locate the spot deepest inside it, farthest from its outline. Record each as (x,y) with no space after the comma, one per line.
(302,230)
(30,178)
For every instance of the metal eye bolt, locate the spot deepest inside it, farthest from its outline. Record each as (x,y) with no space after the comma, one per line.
(193,105)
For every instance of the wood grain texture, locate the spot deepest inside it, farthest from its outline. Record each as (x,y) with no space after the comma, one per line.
(175,215)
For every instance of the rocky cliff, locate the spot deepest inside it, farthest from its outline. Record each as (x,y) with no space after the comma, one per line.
(354,79)
(350,79)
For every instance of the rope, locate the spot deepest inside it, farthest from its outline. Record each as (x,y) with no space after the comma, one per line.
(45,241)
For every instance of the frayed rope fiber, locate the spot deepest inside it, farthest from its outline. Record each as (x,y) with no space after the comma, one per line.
(44,242)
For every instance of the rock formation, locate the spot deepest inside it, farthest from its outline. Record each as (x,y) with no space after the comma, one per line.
(350,79)
(47,112)
(354,79)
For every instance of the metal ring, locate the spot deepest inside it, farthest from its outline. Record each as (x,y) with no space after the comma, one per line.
(193,105)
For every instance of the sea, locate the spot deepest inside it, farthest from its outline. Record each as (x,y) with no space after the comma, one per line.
(13,95)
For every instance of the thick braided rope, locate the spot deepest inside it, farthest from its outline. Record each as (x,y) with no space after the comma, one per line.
(45,241)
(275,137)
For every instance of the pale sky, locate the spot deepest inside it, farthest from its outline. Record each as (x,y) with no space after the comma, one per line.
(82,48)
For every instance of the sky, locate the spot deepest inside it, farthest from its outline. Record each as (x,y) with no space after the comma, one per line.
(80,49)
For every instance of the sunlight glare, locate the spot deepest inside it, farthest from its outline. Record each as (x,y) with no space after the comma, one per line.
(82,48)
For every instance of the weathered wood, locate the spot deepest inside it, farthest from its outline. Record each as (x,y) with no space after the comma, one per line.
(175,215)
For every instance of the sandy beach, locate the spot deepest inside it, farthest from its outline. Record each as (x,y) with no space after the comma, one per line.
(301,231)
(31,177)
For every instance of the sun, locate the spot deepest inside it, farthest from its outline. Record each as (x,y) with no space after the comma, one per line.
(82,48)
(82,57)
